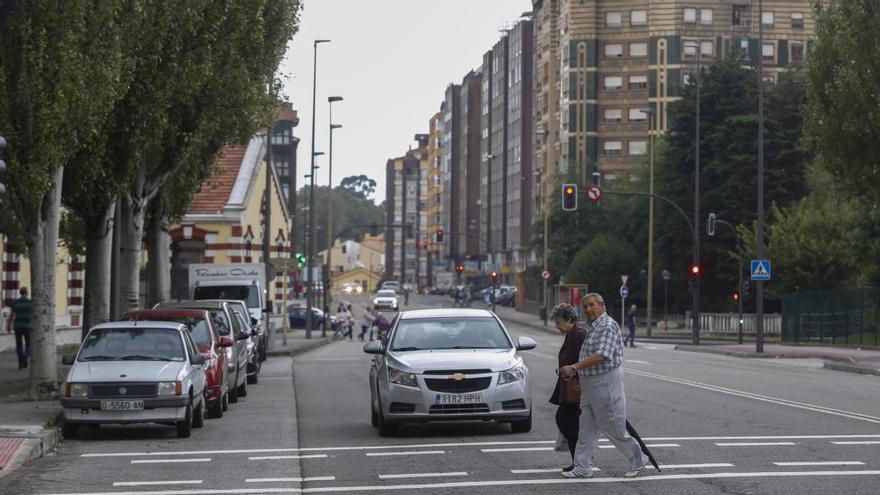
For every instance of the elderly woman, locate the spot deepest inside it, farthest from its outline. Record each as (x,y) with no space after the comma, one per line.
(568,412)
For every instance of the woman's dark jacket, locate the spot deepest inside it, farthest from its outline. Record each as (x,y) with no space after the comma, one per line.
(568,355)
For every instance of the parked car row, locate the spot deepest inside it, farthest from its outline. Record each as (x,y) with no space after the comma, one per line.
(175,364)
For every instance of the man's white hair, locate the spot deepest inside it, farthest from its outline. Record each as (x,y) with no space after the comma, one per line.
(594,295)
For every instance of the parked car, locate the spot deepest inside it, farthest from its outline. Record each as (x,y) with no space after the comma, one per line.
(449,365)
(391,285)
(227,326)
(256,349)
(296,315)
(253,355)
(135,372)
(209,344)
(386,299)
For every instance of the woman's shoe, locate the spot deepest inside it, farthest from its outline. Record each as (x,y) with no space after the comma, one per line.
(567,469)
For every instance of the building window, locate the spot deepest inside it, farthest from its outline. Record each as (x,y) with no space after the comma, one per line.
(638,147)
(613,50)
(768,51)
(797,52)
(612,147)
(637,115)
(613,82)
(707,48)
(744,47)
(690,16)
(768,19)
(613,115)
(638,18)
(797,19)
(740,15)
(614,19)
(705,16)
(638,82)
(638,49)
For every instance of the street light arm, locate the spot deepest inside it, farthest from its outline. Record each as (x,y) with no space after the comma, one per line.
(661,198)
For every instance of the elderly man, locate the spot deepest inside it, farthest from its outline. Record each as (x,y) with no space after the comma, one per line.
(603,404)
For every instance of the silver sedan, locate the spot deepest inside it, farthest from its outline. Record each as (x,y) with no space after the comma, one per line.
(449,365)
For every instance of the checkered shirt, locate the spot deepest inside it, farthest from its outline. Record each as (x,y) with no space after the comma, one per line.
(604,338)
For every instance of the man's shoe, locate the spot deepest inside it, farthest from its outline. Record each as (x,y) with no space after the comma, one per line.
(577,474)
(632,473)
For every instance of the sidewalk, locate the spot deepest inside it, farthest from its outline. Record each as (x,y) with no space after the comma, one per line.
(297,343)
(848,359)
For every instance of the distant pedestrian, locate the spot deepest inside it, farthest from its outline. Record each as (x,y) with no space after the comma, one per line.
(367,323)
(630,321)
(349,322)
(406,296)
(20,321)
(568,412)
(603,403)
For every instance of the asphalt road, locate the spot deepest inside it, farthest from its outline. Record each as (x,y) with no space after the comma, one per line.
(717,425)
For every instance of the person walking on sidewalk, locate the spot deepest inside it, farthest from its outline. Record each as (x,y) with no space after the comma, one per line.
(367,323)
(20,321)
(630,321)
(603,403)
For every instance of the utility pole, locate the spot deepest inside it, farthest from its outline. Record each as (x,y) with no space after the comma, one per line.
(267,226)
(328,283)
(759,242)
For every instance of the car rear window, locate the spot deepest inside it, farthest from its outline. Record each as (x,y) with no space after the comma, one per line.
(449,333)
(132,344)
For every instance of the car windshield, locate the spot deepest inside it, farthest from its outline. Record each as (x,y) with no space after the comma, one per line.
(248,294)
(386,293)
(449,333)
(135,344)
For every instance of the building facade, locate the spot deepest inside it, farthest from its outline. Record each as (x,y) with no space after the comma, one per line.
(435,260)
(406,200)
(449,144)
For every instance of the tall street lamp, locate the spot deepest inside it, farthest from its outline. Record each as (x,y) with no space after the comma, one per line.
(759,241)
(310,247)
(309,293)
(696,254)
(651,113)
(544,133)
(329,282)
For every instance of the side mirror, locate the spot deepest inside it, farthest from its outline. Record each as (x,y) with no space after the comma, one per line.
(243,336)
(198,359)
(254,321)
(68,359)
(226,342)
(525,344)
(374,347)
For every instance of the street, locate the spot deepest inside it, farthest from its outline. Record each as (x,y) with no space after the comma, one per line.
(716,425)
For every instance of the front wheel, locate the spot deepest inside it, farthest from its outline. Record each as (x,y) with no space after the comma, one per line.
(199,415)
(184,428)
(242,389)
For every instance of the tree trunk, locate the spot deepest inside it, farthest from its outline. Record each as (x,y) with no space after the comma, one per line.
(130,251)
(96,296)
(159,248)
(43,247)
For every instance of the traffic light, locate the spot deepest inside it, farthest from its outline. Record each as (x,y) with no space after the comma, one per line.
(494,277)
(459,268)
(300,260)
(569,197)
(734,296)
(710,225)
(695,270)
(2,167)
(439,236)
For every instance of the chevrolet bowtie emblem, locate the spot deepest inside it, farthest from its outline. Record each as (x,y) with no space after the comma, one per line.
(457,377)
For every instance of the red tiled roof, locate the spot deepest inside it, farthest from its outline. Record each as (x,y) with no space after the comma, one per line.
(214,194)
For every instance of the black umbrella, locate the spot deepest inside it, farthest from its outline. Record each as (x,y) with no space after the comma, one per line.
(633,433)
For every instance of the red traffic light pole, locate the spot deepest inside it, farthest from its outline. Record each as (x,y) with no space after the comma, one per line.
(739,257)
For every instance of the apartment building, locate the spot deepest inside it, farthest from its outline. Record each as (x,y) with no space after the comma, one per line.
(434,197)
(468,164)
(546,101)
(449,144)
(406,200)
(620,57)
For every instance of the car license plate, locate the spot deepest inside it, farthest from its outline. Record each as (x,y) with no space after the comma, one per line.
(458,398)
(122,405)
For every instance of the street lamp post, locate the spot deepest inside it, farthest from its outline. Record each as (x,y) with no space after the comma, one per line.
(665,275)
(329,282)
(696,253)
(310,295)
(651,113)
(544,133)
(759,241)
(309,290)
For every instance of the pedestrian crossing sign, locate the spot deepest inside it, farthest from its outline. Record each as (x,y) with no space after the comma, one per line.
(761,270)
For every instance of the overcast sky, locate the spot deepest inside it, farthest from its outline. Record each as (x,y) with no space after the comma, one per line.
(391,60)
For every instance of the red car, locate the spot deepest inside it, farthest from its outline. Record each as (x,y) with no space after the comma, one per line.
(210,345)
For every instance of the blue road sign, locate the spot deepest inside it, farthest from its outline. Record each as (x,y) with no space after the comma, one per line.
(761,270)
(624,291)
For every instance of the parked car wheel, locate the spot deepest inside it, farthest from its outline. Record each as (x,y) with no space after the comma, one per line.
(216,410)
(242,389)
(69,430)
(184,428)
(233,393)
(199,416)
(224,399)
(374,418)
(253,379)
(386,429)
(523,426)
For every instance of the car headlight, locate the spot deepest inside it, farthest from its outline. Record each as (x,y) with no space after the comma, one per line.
(375,302)
(512,375)
(170,388)
(402,378)
(73,390)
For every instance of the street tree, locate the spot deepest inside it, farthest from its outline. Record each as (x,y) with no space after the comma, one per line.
(601,263)
(360,185)
(59,77)
(350,207)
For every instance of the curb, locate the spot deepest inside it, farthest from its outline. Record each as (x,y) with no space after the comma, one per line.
(831,363)
(299,350)
(851,368)
(34,446)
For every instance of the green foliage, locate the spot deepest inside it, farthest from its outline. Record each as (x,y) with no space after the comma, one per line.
(350,207)
(360,185)
(843,115)
(600,264)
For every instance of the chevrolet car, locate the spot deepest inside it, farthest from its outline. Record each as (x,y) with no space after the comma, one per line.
(386,299)
(449,365)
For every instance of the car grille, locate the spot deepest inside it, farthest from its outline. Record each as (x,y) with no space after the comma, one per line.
(459,409)
(452,372)
(458,386)
(132,390)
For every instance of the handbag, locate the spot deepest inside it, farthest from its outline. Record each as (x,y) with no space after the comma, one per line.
(570,393)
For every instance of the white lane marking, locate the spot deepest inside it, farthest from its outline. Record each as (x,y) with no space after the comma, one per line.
(754,444)
(542,471)
(420,475)
(759,397)
(279,457)
(520,449)
(290,480)
(693,466)
(157,483)
(162,461)
(462,444)
(821,463)
(658,445)
(475,484)
(637,361)
(857,443)
(415,452)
